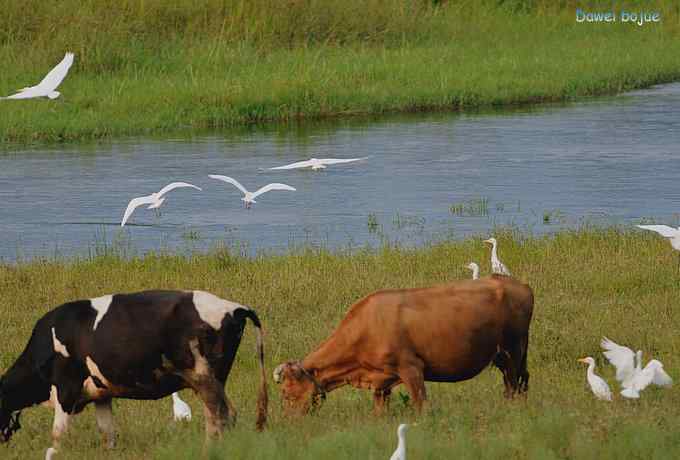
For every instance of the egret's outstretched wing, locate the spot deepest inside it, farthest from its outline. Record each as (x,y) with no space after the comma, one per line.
(663,230)
(622,358)
(229,180)
(642,379)
(274,186)
(660,376)
(57,74)
(133,204)
(175,185)
(26,93)
(296,165)
(335,161)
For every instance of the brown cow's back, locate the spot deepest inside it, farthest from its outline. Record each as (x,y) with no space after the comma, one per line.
(454,329)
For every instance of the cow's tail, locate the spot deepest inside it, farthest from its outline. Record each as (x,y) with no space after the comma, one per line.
(262,398)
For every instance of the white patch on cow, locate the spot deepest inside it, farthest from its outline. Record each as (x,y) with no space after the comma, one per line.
(58,346)
(212,309)
(95,372)
(201,365)
(60,424)
(101,306)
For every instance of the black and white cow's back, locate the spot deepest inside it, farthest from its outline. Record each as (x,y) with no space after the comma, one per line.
(144,345)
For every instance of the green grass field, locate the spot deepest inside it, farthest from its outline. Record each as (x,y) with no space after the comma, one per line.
(152,66)
(587,283)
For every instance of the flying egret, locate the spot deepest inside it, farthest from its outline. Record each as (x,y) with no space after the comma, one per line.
(48,85)
(155,200)
(318,163)
(475,270)
(249,197)
(673,234)
(496,265)
(400,452)
(632,376)
(181,409)
(597,384)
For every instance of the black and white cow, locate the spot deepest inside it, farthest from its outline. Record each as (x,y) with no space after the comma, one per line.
(145,345)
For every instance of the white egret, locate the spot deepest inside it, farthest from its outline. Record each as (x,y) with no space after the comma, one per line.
(652,373)
(249,197)
(475,270)
(496,265)
(597,384)
(632,376)
(400,452)
(48,85)
(49,453)
(673,234)
(181,410)
(318,163)
(155,200)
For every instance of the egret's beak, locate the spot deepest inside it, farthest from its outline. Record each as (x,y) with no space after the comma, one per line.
(487,241)
(582,360)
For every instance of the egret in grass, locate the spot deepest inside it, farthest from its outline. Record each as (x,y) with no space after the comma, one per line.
(496,265)
(318,163)
(597,384)
(47,87)
(475,270)
(181,410)
(400,452)
(249,197)
(630,373)
(673,234)
(155,200)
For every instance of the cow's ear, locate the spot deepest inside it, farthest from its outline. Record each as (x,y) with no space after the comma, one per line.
(297,370)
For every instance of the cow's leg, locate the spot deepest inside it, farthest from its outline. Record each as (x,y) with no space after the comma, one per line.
(508,363)
(215,407)
(414,380)
(523,371)
(104,415)
(381,400)
(61,419)
(502,362)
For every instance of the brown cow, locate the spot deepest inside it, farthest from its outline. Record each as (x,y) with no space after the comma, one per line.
(444,333)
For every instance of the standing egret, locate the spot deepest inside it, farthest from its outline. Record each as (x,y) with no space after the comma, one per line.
(496,265)
(181,410)
(400,452)
(597,384)
(632,376)
(318,163)
(48,85)
(249,197)
(475,270)
(155,200)
(673,234)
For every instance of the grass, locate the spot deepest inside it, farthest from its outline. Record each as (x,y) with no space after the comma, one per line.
(587,283)
(152,66)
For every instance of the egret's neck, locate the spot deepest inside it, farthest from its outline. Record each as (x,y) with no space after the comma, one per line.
(591,369)
(475,273)
(494,253)
(401,445)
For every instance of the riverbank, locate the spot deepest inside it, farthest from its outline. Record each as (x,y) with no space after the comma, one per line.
(587,283)
(147,68)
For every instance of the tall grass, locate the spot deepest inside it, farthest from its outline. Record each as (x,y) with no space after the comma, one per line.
(152,66)
(588,283)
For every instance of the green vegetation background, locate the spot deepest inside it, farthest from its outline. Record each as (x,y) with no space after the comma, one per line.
(587,283)
(148,66)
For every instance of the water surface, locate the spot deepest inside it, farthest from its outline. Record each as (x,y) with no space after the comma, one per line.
(611,160)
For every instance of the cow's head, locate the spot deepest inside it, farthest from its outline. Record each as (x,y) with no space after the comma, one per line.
(299,389)
(9,421)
